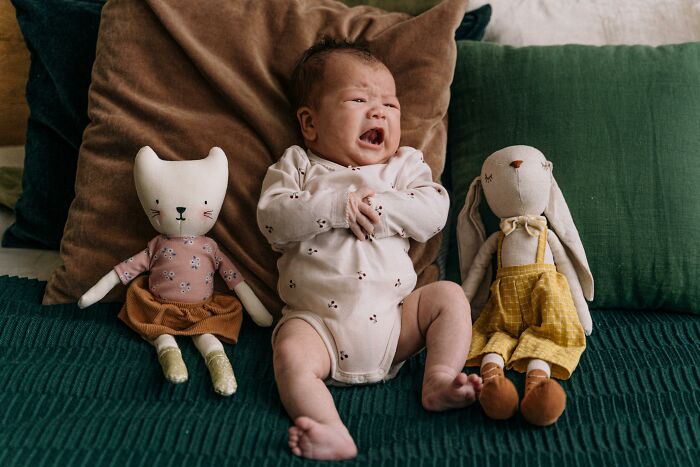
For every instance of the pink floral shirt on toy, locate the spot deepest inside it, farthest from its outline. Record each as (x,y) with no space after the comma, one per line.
(181,268)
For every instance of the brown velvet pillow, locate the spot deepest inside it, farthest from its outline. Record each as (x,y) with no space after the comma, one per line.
(183,76)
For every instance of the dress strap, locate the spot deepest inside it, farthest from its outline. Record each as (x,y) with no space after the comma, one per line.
(541,246)
(501,236)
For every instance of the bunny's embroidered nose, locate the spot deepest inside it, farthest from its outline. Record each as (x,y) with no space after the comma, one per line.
(180,209)
(516,164)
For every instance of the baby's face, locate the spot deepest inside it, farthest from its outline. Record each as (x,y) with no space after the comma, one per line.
(358,118)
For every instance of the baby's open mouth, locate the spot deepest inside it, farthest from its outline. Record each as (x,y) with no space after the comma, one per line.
(373,136)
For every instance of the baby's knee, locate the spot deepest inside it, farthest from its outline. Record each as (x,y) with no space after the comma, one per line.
(448,297)
(292,358)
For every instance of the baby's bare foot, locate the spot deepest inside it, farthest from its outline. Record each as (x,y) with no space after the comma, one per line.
(313,440)
(442,390)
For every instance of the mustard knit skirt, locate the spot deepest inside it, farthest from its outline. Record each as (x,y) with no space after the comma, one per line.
(221,315)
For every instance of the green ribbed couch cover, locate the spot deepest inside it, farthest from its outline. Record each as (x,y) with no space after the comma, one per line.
(77,387)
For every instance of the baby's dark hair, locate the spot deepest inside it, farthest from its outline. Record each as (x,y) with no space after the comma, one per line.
(308,71)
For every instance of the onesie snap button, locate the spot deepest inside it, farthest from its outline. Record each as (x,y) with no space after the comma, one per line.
(381,373)
(361,379)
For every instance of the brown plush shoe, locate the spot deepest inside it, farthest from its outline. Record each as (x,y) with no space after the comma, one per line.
(498,398)
(544,400)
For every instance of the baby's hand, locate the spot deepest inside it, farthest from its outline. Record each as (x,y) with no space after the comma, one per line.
(359,214)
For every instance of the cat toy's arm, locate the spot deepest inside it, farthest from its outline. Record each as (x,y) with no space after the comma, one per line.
(234,281)
(417,207)
(122,273)
(252,304)
(481,262)
(100,289)
(286,213)
(564,265)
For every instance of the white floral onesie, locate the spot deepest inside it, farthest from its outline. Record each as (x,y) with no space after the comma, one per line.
(350,291)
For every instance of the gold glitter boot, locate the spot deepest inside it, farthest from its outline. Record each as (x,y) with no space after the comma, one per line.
(174,368)
(221,373)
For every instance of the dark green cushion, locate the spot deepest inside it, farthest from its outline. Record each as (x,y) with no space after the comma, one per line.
(61,37)
(620,124)
(80,388)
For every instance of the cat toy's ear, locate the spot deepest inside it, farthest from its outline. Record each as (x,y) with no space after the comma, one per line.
(146,166)
(218,160)
(560,220)
(470,236)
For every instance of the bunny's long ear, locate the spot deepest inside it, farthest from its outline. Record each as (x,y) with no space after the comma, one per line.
(562,223)
(470,236)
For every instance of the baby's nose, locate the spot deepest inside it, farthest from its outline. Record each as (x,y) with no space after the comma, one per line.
(180,209)
(376,112)
(516,164)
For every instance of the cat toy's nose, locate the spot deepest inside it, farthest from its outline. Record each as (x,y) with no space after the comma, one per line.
(516,164)
(180,209)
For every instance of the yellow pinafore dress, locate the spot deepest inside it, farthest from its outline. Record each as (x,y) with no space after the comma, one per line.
(530,314)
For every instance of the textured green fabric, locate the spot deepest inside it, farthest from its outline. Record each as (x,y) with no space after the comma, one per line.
(80,388)
(620,124)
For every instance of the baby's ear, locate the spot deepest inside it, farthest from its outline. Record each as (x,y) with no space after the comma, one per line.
(306,117)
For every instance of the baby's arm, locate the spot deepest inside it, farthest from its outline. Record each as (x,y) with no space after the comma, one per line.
(561,259)
(234,281)
(418,207)
(286,213)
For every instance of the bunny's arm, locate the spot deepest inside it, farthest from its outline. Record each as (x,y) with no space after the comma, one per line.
(479,266)
(417,207)
(564,265)
(234,281)
(286,213)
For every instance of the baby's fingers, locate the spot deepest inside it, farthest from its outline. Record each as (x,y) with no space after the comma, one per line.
(357,230)
(369,212)
(365,224)
(364,192)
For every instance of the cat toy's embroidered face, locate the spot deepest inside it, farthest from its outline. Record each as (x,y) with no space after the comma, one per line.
(516,181)
(181,198)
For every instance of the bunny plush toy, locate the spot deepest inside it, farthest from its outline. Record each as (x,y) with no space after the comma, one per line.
(182,200)
(536,317)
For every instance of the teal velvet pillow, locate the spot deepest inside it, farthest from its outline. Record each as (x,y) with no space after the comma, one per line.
(620,124)
(61,37)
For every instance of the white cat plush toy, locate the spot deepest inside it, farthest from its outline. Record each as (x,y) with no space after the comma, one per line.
(182,200)
(536,318)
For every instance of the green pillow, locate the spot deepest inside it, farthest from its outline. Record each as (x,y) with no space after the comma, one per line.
(620,124)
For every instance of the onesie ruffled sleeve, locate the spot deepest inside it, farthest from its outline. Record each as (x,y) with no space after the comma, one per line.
(417,207)
(287,213)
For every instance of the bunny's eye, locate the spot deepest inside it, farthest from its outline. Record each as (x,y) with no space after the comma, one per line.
(488,178)
(156,201)
(205,202)
(546,165)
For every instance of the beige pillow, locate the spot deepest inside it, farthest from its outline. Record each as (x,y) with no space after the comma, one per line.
(184,76)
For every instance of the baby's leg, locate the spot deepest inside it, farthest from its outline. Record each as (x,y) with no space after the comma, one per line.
(220,370)
(170,358)
(301,364)
(437,316)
